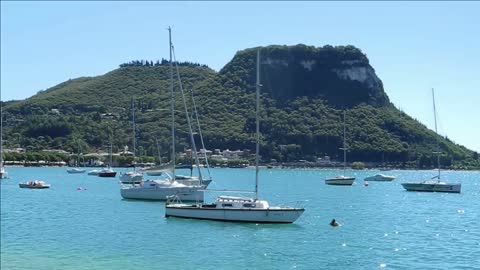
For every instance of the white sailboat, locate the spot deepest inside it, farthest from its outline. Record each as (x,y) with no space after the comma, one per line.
(132,177)
(237,209)
(432,185)
(166,168)
(342,180)
(160,189)
(77,168)
(3,171)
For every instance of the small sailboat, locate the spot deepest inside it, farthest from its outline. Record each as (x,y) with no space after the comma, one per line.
(108,172)
(132,177)
(237,209)
(157,170)
(3,171)
(77,168)
(432,185)
(342,180)
(167,168)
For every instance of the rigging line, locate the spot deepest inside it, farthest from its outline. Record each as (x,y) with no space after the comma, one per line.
(187,115)
(201,136)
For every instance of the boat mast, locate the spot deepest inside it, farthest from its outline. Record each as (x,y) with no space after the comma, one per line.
(110,152)
(1,135)
(438,146)
(172,101)
(189,122)
(257,111)
(344,148)
(79,151)
(158,150)
(134,136)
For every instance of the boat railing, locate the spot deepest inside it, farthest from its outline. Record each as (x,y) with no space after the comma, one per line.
(173,199)
(297,204)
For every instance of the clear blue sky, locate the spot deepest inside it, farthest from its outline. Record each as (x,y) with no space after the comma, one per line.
(413,46)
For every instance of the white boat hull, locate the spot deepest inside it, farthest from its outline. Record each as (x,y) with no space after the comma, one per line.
(3,174)
(271,215)
(195,194)
(380,178)
(93,172)
(22,185)
(75,170)
(345,181)
(432,187)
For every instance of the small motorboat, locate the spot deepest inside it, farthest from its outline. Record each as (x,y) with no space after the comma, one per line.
(76,170)
(36,184)
(380,177)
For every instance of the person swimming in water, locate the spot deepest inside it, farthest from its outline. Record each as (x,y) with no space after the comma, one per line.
(334,223)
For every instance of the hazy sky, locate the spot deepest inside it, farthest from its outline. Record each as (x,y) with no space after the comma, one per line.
(413,46)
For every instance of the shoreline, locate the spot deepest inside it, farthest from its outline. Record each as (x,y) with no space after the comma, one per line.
(266,166)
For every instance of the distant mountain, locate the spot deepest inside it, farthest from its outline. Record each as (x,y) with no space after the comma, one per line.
(305,89)
(342,76)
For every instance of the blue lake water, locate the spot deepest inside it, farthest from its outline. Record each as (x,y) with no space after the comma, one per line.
(383,226)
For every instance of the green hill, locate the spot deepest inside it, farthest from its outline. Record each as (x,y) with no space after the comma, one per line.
(305,90)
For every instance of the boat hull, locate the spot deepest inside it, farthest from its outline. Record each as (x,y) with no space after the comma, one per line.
(379,178)
(450,188)
(271,215)
(160,194)
(340,181)
(73,171)
(33,187)
(107,174)
(154,173)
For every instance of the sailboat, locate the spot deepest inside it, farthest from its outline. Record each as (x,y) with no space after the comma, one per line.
(77,168)
(161,189)
(433,185)
(237,209)
(166,168)
(108,172)
(132,177)
(159,169)
(342,180)
(3,172)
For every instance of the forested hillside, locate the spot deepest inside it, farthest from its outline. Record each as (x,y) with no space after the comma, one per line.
(304,92)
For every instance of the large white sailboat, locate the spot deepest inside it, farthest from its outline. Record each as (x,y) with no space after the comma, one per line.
(237,209)
(160,189)
(342,180)
(132,177)
(432,185)
(3,171)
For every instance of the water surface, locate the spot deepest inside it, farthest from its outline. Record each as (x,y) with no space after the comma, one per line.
(383,226)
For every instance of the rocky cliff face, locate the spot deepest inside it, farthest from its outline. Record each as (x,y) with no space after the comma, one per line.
(340,75)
